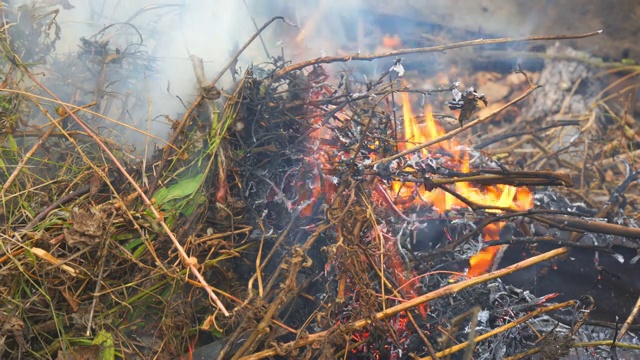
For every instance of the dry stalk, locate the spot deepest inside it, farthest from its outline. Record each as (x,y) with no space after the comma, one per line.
(84,109)
(430,349)
(287,292)
(187,261)
(35,148)
(201,97)
(564,222)
(606,343)
(627,323)
(606,163)
(513,178)
(447,290)
(504,328)
(439,48)
(584,316)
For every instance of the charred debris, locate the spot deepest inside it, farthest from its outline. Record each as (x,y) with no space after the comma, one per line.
(297,215)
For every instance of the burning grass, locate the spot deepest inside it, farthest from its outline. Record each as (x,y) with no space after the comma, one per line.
(304,214)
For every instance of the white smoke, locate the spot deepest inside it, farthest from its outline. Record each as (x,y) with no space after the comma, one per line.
(173,30)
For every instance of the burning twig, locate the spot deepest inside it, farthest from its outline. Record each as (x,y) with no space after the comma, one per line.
(549,240)
(475,206)
(455,132)
(498,177)
(385,196)
(296,168)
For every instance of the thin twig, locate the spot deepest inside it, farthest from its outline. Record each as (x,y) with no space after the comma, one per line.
(200,98)
(565,222)
(504,328)
(629,321)
(190,262)
(447,290)
(33,149)
(438,48)
(520,134)
(455,132)
(497,177)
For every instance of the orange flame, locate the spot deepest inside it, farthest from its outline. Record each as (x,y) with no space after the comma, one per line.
(416,130)
(407,195)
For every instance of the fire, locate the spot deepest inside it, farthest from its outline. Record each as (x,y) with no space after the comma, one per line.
(312,183)
(421,129)
(416,130)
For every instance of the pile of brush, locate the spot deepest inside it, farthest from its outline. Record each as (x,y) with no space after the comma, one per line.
(300,215)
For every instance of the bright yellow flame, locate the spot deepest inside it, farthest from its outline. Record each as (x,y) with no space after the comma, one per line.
(416,132)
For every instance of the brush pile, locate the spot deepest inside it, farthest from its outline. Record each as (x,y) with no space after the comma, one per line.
(308,213)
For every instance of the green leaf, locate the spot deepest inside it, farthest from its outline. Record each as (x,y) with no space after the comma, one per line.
(182,188)
(107,349)
(190,205)
(13,145)
(139,252)
(216,333)
(132,244)
(124,236)
(160,195)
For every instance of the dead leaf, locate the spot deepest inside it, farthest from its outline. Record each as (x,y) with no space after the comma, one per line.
(209,322)
(88,226)
(13,326)
(87,222)
(71,299)
(46,256)
(211,92)
(95,184)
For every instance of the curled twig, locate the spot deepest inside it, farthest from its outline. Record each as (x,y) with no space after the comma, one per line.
(201,98)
